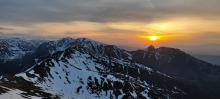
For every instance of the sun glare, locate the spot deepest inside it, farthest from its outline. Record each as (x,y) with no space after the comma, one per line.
(153,38)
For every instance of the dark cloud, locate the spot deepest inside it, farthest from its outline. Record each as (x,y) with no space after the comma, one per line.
(113,30)
(25,11)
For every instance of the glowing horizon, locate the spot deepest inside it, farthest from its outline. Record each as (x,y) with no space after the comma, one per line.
(180,24)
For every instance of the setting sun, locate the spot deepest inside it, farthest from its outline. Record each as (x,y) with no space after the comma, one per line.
(153,38)
(150,37)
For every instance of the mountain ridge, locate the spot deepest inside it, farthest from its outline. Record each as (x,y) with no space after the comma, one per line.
(93,66)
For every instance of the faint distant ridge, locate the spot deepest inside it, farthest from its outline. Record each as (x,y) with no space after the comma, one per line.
(209,58)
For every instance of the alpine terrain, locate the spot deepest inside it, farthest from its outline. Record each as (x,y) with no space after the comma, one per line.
(86,69)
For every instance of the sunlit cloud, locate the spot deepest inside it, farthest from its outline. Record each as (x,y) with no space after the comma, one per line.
(185,25)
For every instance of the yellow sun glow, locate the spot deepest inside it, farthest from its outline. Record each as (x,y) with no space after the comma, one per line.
(153,38)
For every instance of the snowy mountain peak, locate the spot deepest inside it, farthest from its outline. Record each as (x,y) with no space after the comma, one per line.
(98,49)
(15,48)
(85,42)
(72,74)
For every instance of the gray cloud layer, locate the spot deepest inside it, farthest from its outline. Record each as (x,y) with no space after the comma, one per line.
(25,11)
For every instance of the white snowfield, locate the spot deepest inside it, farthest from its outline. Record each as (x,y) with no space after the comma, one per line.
(15,48)
(15,94)
(68,77)
(80,74)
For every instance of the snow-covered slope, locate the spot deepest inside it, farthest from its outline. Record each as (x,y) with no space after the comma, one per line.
(15,48)
(82,71)
(72,74)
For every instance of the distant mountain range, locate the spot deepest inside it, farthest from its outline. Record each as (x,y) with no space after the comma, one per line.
(209,58)
(82,68)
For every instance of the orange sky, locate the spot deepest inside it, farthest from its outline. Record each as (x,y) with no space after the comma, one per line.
(191,25)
